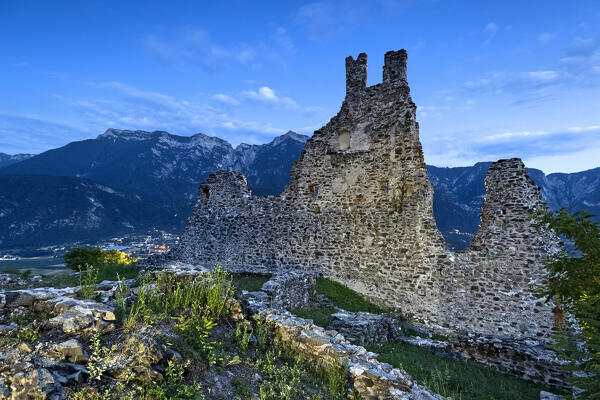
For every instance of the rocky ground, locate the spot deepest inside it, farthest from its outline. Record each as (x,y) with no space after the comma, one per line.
(161,336)
(186,332)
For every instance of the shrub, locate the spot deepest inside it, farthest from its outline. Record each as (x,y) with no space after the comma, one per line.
(116,257)
(575,283)
(81,258)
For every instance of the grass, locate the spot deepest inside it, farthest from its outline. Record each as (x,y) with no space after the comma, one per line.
(341,296)
(108,272)
(461,380)
(168,295)
(321,315)
(249,282)
(241,386)
(21,273)
(346,298)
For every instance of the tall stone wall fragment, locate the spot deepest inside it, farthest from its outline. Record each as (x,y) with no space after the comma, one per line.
(359,208)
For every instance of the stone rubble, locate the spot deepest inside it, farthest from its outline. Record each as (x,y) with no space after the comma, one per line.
(290,289)
(527,359)
(43,370)
(366,328)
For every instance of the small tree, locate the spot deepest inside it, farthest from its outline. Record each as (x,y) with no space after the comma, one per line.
(116,257)
(79,257)
(575,282)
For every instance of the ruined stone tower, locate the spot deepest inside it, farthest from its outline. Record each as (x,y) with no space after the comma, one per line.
(359,209)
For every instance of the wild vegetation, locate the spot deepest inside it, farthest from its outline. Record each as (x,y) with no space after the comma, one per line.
(193,319)
(461,380)
(575,285)
(81,258)
(334,295)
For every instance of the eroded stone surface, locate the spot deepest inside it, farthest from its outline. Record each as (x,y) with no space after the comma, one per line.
(290,289)
(71,350)
(366,328)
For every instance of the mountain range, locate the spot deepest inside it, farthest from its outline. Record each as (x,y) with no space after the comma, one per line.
(132,181)
(6,159)
(155,173)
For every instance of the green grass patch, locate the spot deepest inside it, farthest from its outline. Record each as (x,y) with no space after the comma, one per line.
(249,282)
(241,386)
(320,315)
(346,298)
(107,272)
(461,380)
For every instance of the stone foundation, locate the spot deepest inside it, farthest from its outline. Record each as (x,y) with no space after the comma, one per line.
(290,289)
(365,328)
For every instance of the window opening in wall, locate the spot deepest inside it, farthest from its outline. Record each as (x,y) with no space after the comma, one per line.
(344,139)
(314,189)
(206,192)
(384,185)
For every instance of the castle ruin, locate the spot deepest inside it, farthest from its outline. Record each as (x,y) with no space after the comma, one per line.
(358,209)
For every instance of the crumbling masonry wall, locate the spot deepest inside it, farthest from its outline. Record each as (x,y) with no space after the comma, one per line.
(358,208)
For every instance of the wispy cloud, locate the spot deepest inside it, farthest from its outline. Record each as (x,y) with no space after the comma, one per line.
(123,106)
(545,37)
(491,29)
(197,47)
(328,18)
(578,68)
(226,99)
(493,145)
(29,133)
(265,96)
(450,104)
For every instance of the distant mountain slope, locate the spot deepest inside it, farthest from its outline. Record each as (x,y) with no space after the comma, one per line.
(166,168)
(158,174)
(37,210)
(7,159)
(457,199)
(162,171)
(459,194)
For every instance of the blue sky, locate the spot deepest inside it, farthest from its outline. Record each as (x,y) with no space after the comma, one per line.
(491,79)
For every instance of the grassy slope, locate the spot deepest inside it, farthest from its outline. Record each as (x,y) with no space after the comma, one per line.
(461,380)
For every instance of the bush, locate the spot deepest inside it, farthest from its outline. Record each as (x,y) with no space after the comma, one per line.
(80,257)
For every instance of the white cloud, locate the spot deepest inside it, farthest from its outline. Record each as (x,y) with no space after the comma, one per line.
(542,75)
(491,29)
(584,128)
(267,95)
(538,148)
(196,46)
(566,163)
(545,37)
(226,99)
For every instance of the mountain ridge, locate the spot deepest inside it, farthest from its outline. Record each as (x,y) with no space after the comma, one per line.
(159,174)
(8,159)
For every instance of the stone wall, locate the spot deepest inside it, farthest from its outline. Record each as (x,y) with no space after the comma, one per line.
(358,208)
